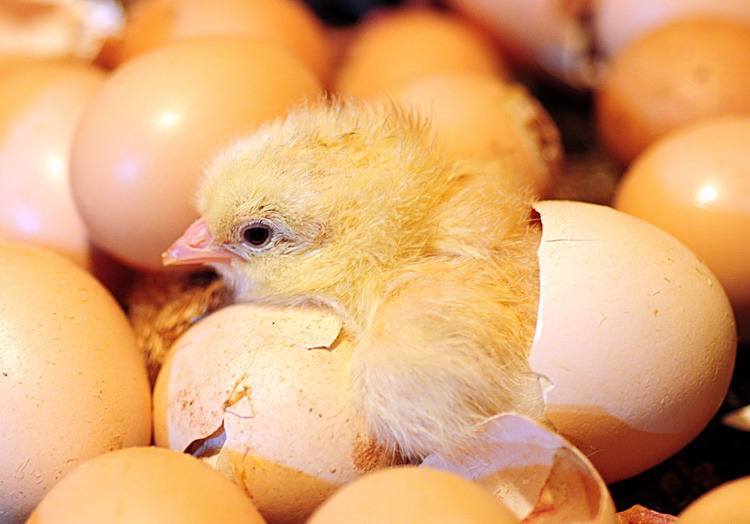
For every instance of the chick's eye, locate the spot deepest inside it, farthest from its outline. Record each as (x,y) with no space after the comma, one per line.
(257,235)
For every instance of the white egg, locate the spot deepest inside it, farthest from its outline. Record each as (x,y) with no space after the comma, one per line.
(635,335)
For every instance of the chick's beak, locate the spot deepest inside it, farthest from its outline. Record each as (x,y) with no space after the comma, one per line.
(195,246)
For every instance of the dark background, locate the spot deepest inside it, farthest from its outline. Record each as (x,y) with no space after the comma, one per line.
(341,12)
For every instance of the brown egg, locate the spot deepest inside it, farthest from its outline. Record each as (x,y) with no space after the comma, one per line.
(137,485)
(141,145)
(670,77)
(398,47)
(618,22)
(283,22)
(726,504)
(73,383)
(40,105)
(411,495)
(478,117)
(694,184)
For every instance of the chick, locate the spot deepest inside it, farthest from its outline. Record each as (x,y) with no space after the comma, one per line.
(430,264)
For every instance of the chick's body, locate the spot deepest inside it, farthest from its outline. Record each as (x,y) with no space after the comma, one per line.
(431,264)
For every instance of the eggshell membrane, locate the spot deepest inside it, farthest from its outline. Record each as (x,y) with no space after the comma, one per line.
(394,48)
(141,144)
(616,23)
(410,495)
(137,485)
(288,23)
(538,475)
(72,381)
(544,35)
(726,504)
(268,390)
(694,183)
(480,117)
(635,335)
(40,105)
(670,77)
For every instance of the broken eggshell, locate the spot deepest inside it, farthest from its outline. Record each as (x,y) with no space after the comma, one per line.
(58,28)
(534,472)
(263,395)
(635,335)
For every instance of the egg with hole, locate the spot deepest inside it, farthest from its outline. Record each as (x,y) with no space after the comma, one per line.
(141,484)
(73,383)
(263,395)
(287,23)
(548,36)
(635,337)
(393,48)
(141,144)
(616,23)
(483,118)
(671,77)
(694,184)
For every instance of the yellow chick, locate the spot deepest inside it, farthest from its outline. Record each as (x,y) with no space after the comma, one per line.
(431,264)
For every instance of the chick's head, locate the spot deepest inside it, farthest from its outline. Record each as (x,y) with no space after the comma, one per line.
(321,205)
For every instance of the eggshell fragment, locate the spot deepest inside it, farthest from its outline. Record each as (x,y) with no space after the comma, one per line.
(288,23)
(670,77)
(72,381)
(264,395)
(141,144)
(694,184)
(57,28)
(394,48)
(635,335)
(551,36)
(726,504)
(137,485)
(534,472)
(40,105)
(479,117)
(618,22)
(410,495)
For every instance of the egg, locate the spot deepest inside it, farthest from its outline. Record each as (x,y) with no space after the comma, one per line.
(550,36)
(410,495)
(635,337)
(263,394)
(288,23)
(694,183)
(141,484)
(618,22)
(396,47)
(40,105)
(478,117)
(73,383)
(141,143)
(670,77)
(726,504)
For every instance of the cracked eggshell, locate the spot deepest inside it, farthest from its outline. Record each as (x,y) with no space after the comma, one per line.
(73,383)
(634,333)
(618,22)
(263,394)
(546,35)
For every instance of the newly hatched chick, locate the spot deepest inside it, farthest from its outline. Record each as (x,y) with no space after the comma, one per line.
(431,264)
